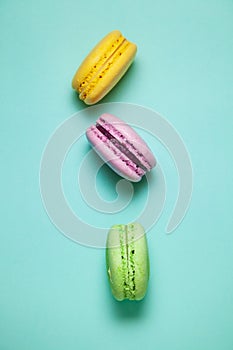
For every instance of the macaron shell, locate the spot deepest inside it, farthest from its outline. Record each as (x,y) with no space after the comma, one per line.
(116,261)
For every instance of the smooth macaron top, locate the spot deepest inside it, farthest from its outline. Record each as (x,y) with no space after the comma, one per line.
(121,147)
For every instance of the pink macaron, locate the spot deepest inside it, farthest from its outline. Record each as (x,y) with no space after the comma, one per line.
(120,147)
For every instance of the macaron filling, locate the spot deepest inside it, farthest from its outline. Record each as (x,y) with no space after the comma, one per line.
(128,268)
(132,141)
(131,266)
(120,146)
(116,153)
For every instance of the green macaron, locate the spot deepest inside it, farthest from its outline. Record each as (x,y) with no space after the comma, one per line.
(127,261)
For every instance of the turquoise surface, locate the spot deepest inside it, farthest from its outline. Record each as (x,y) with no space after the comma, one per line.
(54,292)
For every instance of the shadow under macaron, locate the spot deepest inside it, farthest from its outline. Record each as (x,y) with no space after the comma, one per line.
(129,310)
(124,84)
(127,188)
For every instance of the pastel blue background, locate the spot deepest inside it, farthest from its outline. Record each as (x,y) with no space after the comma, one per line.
(54,292)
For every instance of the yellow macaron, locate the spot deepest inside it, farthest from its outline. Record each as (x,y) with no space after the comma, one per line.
(103,67)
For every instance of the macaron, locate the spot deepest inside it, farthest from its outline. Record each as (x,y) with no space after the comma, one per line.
(103,67)
(120,147)
(127,261)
